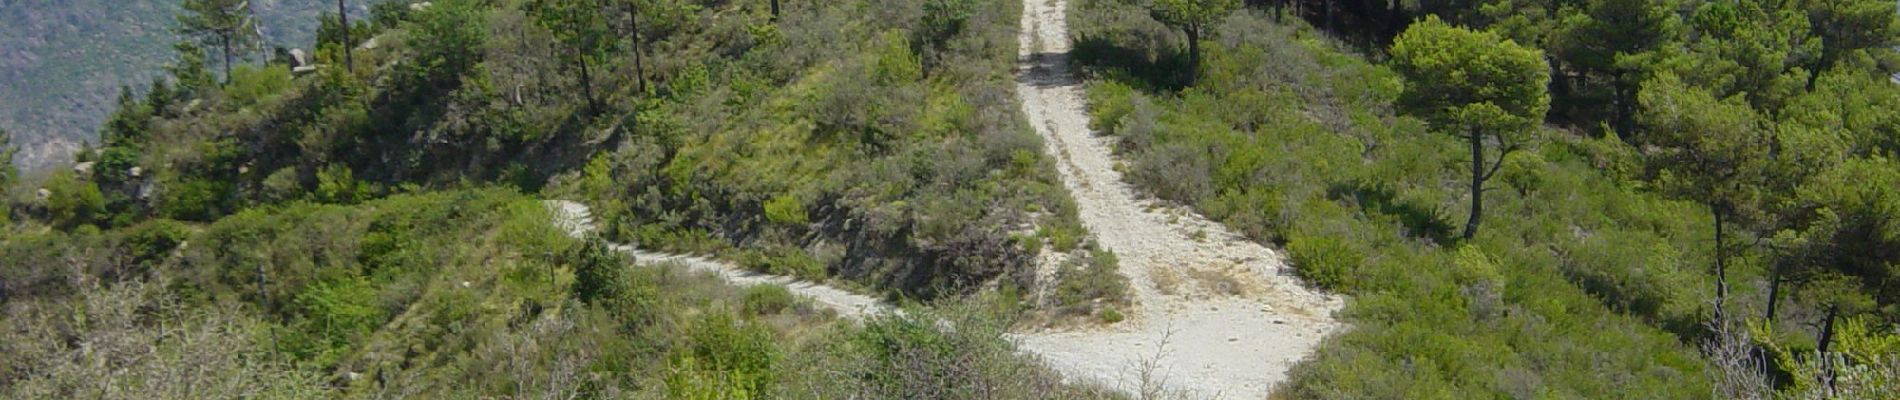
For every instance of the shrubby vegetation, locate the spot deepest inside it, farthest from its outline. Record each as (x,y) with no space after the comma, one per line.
(449,294)
(877,143)
(887,152)
(369,227)
(1592,274)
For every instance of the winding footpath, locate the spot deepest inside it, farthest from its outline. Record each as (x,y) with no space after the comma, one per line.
(1214,315)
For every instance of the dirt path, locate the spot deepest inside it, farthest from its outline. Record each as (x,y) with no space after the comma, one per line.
(578,221)
(1216,316)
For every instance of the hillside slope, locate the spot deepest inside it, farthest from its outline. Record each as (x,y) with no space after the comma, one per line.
(63,62)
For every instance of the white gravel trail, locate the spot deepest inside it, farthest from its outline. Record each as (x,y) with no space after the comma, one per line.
(1215,315)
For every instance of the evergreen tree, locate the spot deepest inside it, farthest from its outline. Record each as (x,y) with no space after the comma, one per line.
(1848,26)
(1477,84)
(1607,39)
(225,24)
(1708,150)
(1193,17)
(580,26)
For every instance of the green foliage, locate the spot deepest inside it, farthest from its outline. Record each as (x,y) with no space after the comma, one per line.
(250,86)
(788,261)
(338,184)
(1192,17)
(73,202)
(1468,80)
(1574,290)
(1324,260)
(1097,284)
(7,170)
(724,357)
(599,275)
(154,241)
(1709,150)
(340,310)
(786,210)
(1865,366)
(200,200)
(768,300)
(1193,13)
(227,25)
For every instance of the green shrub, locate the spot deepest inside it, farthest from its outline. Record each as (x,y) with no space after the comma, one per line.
(200,200)
(599,274)
(336,312)
(73,202)
(153,241)
(783,260)
(251,85)
(786,210)
(337,184)
(1325,260)
(1080,289)
(724,357)
(767,300)
(1109,315)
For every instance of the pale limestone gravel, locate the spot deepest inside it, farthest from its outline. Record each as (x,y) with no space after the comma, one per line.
(1189,331)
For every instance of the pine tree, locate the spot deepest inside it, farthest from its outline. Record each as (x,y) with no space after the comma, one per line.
(1478,84)
(581,27)
(225,24)
(1193,18)
(1708,150)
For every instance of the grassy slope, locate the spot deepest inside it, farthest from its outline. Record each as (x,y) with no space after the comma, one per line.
(1572,289)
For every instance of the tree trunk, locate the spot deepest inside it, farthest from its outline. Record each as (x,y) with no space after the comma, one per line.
(1774,291)
(1721,263)
(1327,15)
(226,38)
(343,16)
(1625,104)
(1827,337)
(1477,184)
(633,23)
(1194,51)
(587,87)
(263,298)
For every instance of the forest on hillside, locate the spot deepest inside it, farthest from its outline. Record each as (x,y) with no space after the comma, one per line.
(1580,199)
(1517,198)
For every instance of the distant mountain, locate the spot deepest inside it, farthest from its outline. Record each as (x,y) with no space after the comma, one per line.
(62,61)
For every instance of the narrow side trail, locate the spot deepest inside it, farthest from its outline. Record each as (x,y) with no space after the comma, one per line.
(1215,315)
(578,221)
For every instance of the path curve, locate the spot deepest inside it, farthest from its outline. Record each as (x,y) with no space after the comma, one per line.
(1215,315)
(578,221)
